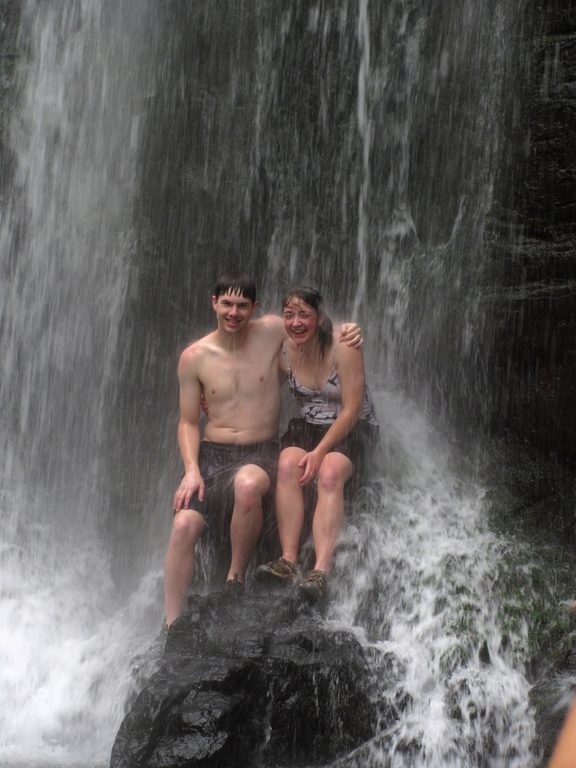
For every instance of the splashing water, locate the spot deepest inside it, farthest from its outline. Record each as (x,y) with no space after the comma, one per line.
(419,575)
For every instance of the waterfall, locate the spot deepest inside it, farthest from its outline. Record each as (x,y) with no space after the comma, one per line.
(434,603)
(352,146)
(67,248)
(419,574)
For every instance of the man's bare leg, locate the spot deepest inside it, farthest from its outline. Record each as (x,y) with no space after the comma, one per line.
(250,484)
(187,528)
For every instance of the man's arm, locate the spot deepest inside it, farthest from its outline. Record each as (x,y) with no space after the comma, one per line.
(349,333)
(189,429)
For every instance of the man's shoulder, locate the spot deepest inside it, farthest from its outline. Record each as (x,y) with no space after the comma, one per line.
(197,350)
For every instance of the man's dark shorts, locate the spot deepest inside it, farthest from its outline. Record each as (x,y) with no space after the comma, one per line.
(219,463)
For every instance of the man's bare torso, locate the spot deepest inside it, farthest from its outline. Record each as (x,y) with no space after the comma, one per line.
(241,383)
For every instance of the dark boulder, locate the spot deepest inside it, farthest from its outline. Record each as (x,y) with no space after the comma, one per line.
(249,679)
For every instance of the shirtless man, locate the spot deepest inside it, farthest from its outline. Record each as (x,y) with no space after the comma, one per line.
(235,369)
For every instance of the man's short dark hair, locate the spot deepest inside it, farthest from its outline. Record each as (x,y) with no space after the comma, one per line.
(236,282)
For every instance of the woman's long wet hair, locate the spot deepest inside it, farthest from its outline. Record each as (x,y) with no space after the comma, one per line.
(314,299)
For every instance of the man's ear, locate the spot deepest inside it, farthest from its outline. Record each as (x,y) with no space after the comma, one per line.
(214,300)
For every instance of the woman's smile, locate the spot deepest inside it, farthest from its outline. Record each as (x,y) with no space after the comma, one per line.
(300,320)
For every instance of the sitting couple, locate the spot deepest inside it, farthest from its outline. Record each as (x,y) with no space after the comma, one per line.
(235,372)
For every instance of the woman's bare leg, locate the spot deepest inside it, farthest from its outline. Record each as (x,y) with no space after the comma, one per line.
(334,472)
(289,502)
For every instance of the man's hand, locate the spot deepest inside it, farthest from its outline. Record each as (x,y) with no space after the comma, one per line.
(310,464)
(351,334)
(192,483)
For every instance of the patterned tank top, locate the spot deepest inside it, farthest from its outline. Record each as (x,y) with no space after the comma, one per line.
(322,406)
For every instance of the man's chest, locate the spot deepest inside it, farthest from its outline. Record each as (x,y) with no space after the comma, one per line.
(246,375)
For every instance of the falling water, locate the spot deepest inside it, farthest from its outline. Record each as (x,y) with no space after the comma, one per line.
(365,130)
(67,248)
(433,604)
(354,147)
(420,574)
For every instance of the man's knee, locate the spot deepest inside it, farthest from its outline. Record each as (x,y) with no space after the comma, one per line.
(187,527)
(250,485)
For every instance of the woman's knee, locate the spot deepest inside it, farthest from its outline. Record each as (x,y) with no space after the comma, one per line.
(334,472)
(288,469)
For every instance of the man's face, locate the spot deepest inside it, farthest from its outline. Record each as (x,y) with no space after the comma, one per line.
(233,311)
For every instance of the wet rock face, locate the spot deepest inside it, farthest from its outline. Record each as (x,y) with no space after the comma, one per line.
(534,370)
(249,679)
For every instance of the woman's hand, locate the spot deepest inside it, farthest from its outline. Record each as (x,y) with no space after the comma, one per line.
(310,465)
(351,334)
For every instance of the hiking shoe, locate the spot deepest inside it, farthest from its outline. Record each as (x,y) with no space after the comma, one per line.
(314,586)
(280,570)
(234,586)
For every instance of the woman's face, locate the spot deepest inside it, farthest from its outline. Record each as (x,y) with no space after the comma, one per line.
(300,320)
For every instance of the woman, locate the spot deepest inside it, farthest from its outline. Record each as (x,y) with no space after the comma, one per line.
(336,431)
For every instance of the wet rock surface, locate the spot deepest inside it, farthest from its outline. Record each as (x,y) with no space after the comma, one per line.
(249,679)
(534,236)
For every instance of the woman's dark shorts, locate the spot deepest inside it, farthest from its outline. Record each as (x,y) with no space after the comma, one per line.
(360,445)
(219,463)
